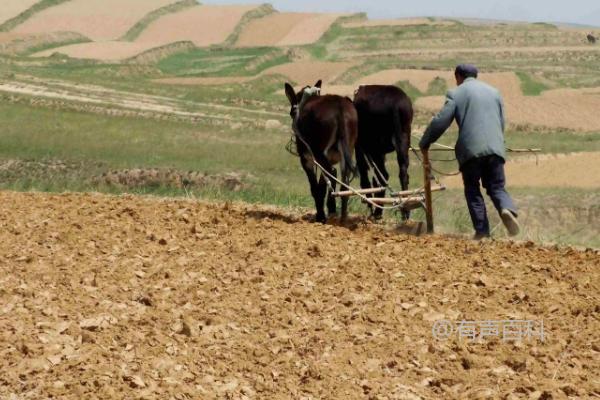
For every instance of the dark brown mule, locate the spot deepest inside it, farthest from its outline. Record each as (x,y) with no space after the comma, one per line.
(385,115)
(326,129)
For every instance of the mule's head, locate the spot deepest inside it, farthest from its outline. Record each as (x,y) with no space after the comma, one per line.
(298,99)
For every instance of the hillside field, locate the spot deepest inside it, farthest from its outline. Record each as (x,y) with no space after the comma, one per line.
(156,237)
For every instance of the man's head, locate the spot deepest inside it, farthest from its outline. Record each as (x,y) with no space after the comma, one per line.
(464,71)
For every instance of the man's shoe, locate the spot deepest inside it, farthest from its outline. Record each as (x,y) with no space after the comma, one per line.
(481,236)
(510,222)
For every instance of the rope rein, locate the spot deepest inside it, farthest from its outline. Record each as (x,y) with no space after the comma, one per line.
(342,184)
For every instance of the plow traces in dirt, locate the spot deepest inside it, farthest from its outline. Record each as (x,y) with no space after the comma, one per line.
(123,297)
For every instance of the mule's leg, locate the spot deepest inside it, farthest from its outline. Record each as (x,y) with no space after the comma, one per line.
(322,188)
(379,161)
(315,189)
(402,150)
(331,206)
(363,171)
(346,180)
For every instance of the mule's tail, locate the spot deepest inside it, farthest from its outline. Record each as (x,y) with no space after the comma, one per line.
(347,164)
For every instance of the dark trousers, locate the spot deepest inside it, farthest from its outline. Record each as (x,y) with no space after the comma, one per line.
(488,170)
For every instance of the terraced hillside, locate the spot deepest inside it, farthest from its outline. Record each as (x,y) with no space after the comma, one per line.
(218,94)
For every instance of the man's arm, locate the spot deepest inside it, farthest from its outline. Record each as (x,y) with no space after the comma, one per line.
(439,124)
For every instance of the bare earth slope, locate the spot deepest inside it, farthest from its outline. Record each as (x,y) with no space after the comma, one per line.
(127,297)
(105,51)
(11,8)
(561,171)
(203,25)
(96,19)
(285,29)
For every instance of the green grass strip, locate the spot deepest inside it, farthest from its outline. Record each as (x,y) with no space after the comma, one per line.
(30,12)
(152,16)
(259,12)
(529,86)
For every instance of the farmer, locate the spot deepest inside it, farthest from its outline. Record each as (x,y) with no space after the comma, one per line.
(479,112)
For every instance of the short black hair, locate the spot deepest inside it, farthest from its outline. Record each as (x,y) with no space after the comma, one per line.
(466,71)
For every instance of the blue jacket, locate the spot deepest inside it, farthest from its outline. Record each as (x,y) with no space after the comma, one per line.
(479,112)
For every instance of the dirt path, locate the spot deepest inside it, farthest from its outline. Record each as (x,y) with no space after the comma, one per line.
(127,297)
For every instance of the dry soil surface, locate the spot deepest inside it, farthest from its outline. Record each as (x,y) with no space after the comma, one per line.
(552,170)
(572,109)
(203,25)
(128,297)
(286,29)
(105,51)
(96,19)
(299,72)
(12,8)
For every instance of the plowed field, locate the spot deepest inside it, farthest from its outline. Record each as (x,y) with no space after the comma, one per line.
(129,297)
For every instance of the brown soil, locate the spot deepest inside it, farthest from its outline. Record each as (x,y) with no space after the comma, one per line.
(309,30)
(17,43)
(561,170)
(285,29)
(203,25)
(12,8)
(96,19)
(105,51)
(416,77)
(572,109)
(128,297)
(308,72)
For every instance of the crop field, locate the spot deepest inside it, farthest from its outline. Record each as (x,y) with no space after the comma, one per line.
(156,238)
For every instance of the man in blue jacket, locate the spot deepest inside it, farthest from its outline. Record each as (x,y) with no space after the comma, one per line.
(479,112)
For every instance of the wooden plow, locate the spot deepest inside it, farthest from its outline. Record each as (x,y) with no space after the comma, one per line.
(406,200)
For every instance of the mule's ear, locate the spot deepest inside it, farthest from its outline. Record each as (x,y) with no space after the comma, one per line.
(291,95)
(319,83)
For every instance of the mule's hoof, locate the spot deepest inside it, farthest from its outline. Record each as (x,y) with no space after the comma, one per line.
(321,219)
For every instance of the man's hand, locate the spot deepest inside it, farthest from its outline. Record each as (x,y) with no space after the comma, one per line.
(424,148)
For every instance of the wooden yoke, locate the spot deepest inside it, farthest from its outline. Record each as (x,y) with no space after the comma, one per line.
(427,186)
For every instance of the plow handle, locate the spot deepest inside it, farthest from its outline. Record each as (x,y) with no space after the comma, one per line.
(427,186)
